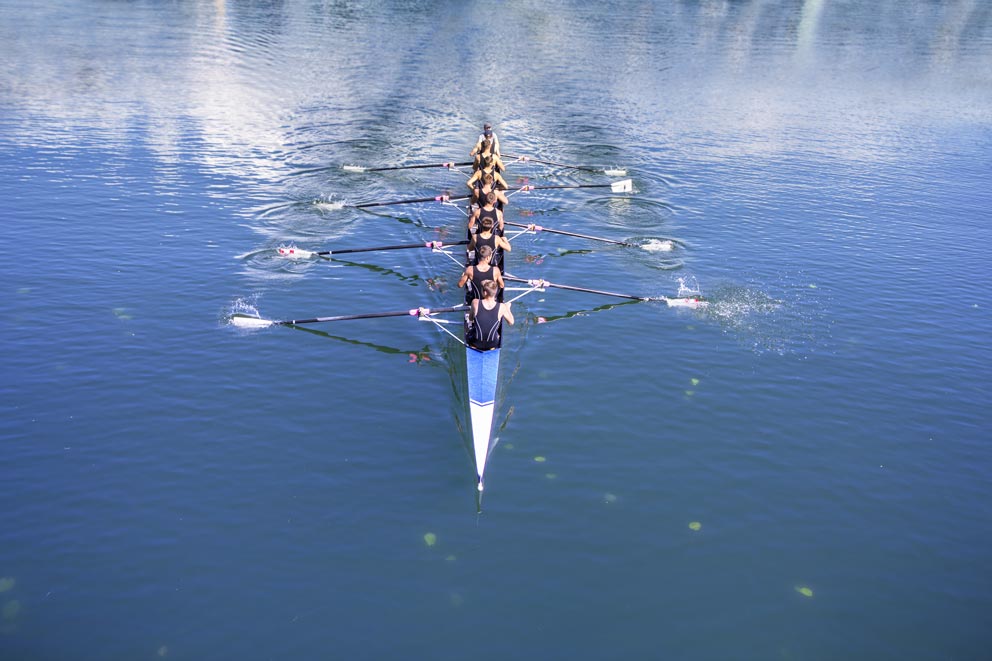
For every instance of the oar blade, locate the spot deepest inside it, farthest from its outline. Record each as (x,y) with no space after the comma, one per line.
(248,321)
(625,186)
(615,172)
(291,252)
(689,302)
(354,168)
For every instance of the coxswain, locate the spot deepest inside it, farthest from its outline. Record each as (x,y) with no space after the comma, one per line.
(486,236)
(475,275)
(487,316)
(487,134)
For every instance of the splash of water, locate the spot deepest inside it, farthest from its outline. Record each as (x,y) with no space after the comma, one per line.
(764,323)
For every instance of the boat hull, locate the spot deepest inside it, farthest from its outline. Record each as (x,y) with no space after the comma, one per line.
(483,370)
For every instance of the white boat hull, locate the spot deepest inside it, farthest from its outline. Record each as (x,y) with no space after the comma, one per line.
(483,370)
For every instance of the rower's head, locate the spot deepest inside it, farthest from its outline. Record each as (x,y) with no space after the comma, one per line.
(485,254)
(487,146)
(490,198)
(486,161)
(489,289)
(486,223)
(487,130)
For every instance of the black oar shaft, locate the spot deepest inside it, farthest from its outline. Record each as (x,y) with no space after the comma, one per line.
(415,167)
(526,188)
(367,315)
(580,289)
(436,198)
(404,246)
(560,165)
(565,233)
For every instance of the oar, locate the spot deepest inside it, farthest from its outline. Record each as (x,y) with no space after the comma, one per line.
(362,168)
(688,302)
(436,198)
(247,321)
(297,253)
(538,228)
(613,172)
(624,186)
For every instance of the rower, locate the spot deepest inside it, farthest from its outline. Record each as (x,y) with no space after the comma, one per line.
(487,134)
(475,275)
(487,316)
(488,182)
(487,158)
(488,208)
(486,236)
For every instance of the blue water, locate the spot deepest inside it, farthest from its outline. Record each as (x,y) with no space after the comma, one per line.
(798,471)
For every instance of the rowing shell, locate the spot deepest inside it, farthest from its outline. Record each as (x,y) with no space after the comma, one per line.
(482,369)
(482,373)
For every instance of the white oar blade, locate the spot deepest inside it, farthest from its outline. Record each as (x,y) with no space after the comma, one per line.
(290,252)
(615,172)
(625,186)
(247,321)
(354,168)
(691,303)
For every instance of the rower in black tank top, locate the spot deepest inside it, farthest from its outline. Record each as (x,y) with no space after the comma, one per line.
(487,317)
(487,327)
(482,240)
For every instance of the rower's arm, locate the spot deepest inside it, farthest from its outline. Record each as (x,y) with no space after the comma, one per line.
(465,276)
(497,278)
(474,178)
(507,313)
(501,242)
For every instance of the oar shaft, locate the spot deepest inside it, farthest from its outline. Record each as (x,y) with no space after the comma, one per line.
(416,167)
(560,165)
(436,198)
(368,315)
(580,289)
(563,232)
(404,246)
(526,188)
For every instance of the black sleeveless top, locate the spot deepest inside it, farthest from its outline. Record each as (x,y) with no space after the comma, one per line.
(474,284)
(491,242)
(487,328)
